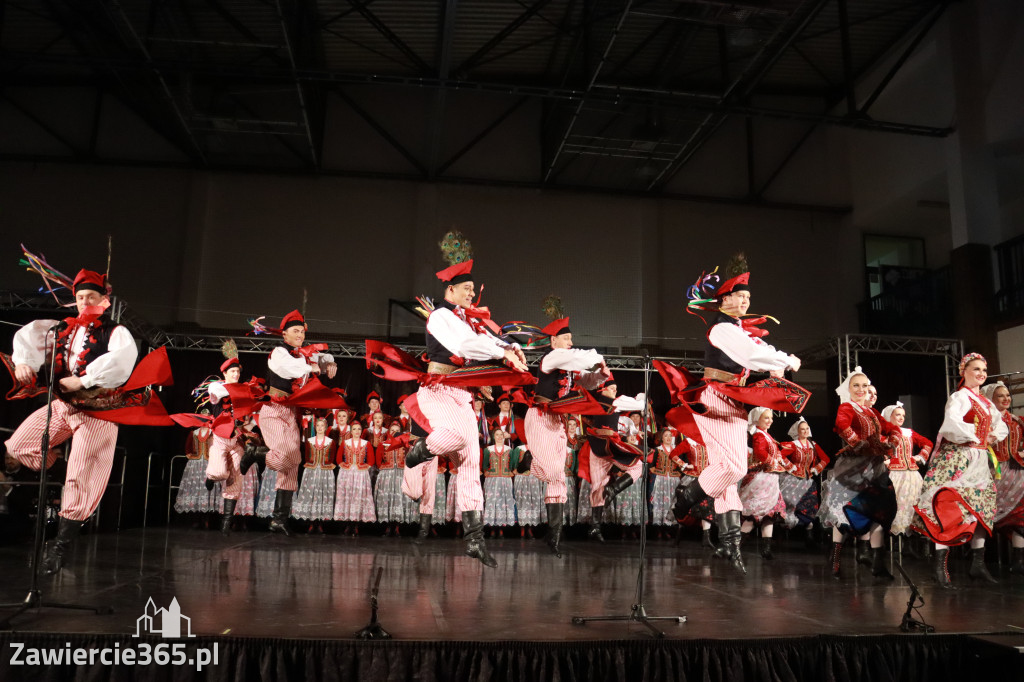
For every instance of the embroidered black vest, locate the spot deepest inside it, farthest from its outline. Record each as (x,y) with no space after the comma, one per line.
(275,380)
(713,356)
(553,385)
(435,351)
(97,340)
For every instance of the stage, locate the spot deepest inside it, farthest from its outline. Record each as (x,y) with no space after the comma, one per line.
(259,593)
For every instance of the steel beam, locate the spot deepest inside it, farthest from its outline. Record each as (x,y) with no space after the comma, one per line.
(499,37)
(373,123)
(446,34)
(391,36)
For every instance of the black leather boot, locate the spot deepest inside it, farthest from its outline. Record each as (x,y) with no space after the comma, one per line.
(617,486)
(978,570)
(686,497)
(225,518)
(706,540)
(58,548)
(864,552)
(878,568)
(596,514)
(835,557)
(1017,565)
(282,510)
(941,569)
(253,454)
(418,453)
(766,549)
(555,520)
(209,485)
(729,539)
(473,527)
(424,532)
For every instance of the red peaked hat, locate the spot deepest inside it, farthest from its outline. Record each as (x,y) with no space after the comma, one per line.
(556,327)
(87,280)
(293,319)
(458,273)
(738,283)
(229,363)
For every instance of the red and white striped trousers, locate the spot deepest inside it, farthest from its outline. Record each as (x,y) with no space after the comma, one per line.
(453,434)
(280,427)
(599,477)
(546,438)
(418,483)
(90,460)
(724,429)
(225,457)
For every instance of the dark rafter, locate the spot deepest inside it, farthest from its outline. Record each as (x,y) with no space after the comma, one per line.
(476,57)
(416,62)
(446,33)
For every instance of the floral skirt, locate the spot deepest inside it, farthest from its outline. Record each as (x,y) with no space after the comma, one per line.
(857,494)
(703,510)
(570,512)
(392,505)
(192,493)
(529,494)
(499,504)
(246,505)
(315,499)
(957,494)
(626,507)
(451,504)
(662,499)
(354,499)
(907,485)
(583,508)
(440,500)
(760,495)
(265,500)
(801,497)
(1010,497)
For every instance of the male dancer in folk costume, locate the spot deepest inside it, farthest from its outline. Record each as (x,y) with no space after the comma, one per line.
(292,383)
(561,372)
(228,446)
(606,449)
(716,404)
(95,390)
(457,333)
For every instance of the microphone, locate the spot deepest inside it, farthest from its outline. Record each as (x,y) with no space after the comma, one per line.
(59,327)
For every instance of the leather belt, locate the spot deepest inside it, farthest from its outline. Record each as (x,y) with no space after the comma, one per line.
(439,368)
(541,399)
(277,393)
(723,376)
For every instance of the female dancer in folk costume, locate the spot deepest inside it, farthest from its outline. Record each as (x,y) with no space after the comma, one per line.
(694,458)
(375,435)
(903,463)
(958,498)
(315,499)
(759,489)
(506,420)
(458,334)
(1010,482)
(605,451)
(527,490)
(193,495)
(339,424)
(715,405)
(393,508)
(858,497)
(666,470)
(499,499)
(354,497)
(573,442)
(799,489)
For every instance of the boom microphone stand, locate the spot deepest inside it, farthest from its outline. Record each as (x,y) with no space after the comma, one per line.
(34,598)
(638,612)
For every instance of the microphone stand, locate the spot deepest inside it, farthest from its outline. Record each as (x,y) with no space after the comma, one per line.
(638,612)
(34,598)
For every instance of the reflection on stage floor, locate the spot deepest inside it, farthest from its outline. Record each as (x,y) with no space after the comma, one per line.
(258,585)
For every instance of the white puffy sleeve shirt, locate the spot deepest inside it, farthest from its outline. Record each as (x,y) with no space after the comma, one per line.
(576,360)
(458,337)
(746,351)
(33,342)
(956,430)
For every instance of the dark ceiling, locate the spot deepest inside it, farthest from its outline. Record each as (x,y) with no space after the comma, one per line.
(626,93)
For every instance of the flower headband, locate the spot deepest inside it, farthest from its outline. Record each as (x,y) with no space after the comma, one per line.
(966,360)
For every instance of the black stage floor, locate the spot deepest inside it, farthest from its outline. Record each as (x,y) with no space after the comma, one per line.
(252,584)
